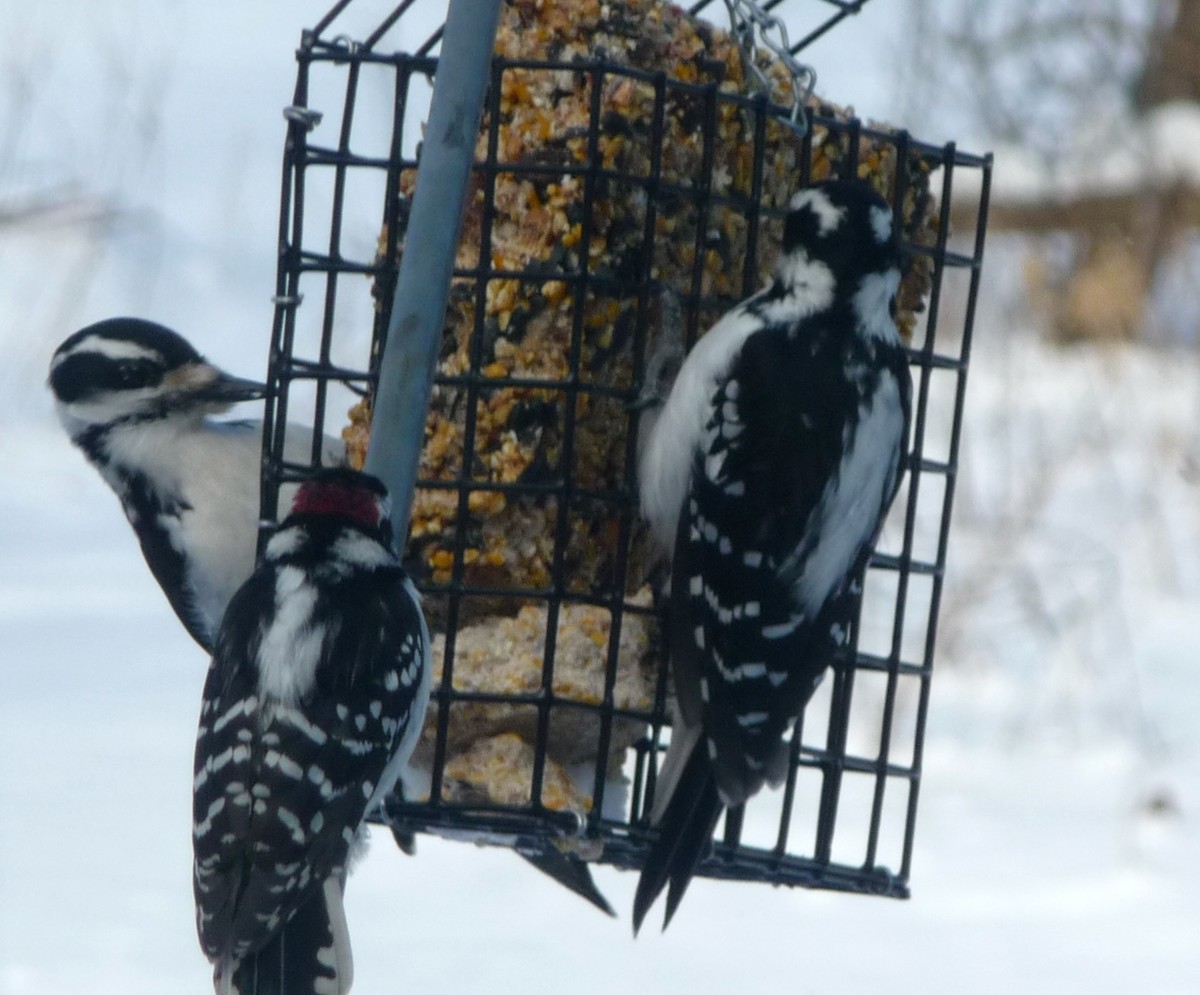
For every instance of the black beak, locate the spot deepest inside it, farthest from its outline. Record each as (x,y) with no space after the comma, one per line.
(229,390)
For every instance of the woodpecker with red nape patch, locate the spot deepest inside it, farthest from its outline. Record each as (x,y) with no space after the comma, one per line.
(314,701)
(136,399)
(768,473)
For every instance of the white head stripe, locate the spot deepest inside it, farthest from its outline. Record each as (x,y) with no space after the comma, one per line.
(829,215)
(881,223)
(109,348)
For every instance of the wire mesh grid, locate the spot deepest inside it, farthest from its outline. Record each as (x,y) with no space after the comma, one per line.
(553,758)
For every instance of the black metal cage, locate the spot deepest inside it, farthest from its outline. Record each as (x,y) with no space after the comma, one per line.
(608,183)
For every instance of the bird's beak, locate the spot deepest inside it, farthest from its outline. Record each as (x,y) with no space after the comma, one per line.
(207,383)
(229,390)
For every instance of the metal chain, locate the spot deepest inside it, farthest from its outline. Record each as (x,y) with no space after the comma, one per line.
(749,22)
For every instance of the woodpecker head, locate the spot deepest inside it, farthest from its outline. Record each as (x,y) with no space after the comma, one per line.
(125,370)
(345,494)
(839,242)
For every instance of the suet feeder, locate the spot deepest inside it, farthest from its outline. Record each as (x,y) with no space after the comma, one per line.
(626,182)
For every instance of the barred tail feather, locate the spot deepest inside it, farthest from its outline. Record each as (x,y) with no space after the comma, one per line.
(685,831)
(309,956)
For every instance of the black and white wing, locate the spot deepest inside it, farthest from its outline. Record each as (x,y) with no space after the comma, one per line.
(282,787)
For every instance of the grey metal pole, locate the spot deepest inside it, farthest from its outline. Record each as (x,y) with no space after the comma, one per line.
(423,286)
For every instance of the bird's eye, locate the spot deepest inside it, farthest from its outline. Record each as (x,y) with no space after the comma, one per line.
(137,373)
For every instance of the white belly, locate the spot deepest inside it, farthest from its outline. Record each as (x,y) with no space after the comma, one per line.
(220,530)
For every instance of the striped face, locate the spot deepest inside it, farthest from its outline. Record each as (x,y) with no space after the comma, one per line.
(842,225)
(125,369)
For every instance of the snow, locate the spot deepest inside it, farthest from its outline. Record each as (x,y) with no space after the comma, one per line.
(1056,844)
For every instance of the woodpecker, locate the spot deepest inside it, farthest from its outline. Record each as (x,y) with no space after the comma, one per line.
(767,474)
(135,397)
(314,700)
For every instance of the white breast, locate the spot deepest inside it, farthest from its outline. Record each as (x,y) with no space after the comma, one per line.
(291,648)
(213,468)
(848,513)
(665,464)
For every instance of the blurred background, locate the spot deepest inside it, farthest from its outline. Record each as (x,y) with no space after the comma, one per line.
(1058,843)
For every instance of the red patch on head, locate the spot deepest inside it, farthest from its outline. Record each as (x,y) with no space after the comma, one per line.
(318,497)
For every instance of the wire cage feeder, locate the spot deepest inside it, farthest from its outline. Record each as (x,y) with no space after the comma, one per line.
(628,184)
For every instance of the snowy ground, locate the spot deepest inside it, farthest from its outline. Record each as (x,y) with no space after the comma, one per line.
(1057,840)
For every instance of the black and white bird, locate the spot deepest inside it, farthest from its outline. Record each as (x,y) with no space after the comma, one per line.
(314,700)
(137,398)
(767,474)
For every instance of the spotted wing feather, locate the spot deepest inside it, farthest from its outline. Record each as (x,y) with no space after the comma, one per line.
(257,767)
(780,443)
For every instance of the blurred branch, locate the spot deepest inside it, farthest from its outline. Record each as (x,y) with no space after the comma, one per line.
(57,206)
(1172,70)
(1091,212)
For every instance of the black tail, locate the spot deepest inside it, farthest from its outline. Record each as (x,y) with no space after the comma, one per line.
(569,871)
(684,833)
(310,954)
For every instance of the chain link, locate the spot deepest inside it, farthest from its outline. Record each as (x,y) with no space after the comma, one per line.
(750,23)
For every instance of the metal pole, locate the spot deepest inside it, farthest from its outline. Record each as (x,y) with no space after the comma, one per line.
(423,287)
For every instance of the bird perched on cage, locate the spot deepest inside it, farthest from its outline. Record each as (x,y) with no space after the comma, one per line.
(768,473)
(313,703)
(136,398)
